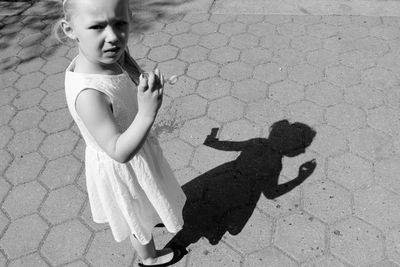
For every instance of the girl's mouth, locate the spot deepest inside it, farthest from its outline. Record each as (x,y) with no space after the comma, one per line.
(112,50)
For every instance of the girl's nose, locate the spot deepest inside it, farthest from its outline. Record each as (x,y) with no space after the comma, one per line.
(111,35)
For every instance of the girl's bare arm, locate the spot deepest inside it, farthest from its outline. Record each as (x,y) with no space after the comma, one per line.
(95,111)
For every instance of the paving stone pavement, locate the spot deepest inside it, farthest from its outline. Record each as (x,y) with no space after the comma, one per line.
(240,74)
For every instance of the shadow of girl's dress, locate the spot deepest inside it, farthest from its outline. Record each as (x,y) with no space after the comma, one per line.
(223,199)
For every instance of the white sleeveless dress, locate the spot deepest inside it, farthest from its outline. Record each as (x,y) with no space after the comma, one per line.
(132,197)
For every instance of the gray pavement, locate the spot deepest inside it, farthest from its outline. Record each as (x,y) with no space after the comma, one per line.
(240,73)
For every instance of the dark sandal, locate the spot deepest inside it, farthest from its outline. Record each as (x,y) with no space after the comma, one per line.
(177,257)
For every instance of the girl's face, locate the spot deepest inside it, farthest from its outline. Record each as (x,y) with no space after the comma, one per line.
(101,28)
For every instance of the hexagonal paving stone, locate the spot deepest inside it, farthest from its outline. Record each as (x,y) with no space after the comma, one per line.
(193,18)
(28,99)
(379,78)
(224,55)
(156,39)
(322,30)
(8,79)
(183,87)
(26,142)
(236,71)
(243,41)
(226,109)
(356,242)
(53,83)
(370,144)
(62,204)
(255,235)
(250,90)
(86,216)
(286,92)
(378,207)
(256,56)
(54,100)
(372,44)
(323,58)
(326,261)
(24,168)
(353,32)
(265,112)
(178,153)
(163,53)
(4,221)
(188,107)
(324,93)
(358,59)
(270,257)
(387,172)
(60,172)
(7,95)
(24,199)
(104,251)
(55,121)
(329,141)
(7,112)
(305,74)
(30,81)
(206,255)
(305,43)
(195,131)
(363,96)
(185,39)
(300,236)
(171,67)
(177,27)
(350,171)
(193,54)
(27,119)
(305,112)
(342,76)
(32,260)
(59,144)
(214,40)
(204,27)
(288,57)
(19,239)
(231,28)
(345,117)
(385,32)
(6,134)
(261,29)
(385,120)
(327,201)
(275,42)
(213,88)
(392,244)
(270,73)
(66,242)
(291,29)
(202,70)
(56,65)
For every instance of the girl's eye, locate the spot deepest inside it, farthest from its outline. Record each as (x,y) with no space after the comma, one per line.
(122,23)
(96,27)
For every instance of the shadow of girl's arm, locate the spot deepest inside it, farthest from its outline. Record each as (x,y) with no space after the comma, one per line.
(213,142)
(305,170)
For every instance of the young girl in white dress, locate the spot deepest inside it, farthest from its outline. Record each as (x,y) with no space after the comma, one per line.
(129,182)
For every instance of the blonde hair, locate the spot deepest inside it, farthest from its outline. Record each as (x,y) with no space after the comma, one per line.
(58,32)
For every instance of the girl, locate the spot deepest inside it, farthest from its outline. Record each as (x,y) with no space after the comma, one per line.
(129,183)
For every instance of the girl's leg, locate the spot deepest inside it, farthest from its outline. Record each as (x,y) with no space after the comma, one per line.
(149,254)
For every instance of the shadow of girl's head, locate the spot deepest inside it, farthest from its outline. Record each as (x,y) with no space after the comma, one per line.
(290,139)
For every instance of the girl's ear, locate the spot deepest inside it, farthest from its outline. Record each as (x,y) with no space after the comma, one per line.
(68,30)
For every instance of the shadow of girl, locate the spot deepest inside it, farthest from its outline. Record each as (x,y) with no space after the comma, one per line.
(223,199)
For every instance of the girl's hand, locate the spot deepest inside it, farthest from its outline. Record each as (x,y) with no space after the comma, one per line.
(150,93)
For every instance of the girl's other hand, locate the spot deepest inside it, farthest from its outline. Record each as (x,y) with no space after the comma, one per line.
(150,92)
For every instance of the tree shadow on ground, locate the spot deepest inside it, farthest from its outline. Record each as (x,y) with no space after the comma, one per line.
(224,198)
(38,17)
